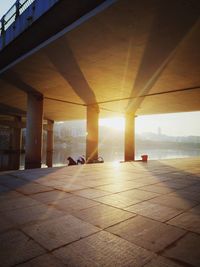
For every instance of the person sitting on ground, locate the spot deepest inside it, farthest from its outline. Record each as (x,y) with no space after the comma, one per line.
(81,160)
(71,161)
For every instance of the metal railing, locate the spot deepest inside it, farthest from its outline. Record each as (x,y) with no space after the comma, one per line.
(13,13)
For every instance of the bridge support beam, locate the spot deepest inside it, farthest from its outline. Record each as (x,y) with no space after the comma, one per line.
(129,144)
(33,155)
(92,138)
(15,145)
(49,150)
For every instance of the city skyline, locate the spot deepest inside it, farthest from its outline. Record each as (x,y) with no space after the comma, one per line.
(173,124)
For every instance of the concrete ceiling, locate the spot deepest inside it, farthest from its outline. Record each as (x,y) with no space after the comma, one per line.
(126,59)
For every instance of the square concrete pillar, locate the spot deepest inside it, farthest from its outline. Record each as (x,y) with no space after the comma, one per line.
(49,149)
(33,156)
(129,145)
(15,144)
(92,138)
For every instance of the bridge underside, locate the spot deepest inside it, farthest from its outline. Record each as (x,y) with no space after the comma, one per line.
(130,50)
(133,57)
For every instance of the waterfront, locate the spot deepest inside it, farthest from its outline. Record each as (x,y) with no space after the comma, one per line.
(60,156)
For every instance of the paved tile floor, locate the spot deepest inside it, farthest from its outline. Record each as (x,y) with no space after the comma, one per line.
(126,214)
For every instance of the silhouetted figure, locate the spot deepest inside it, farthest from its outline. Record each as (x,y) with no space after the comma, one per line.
(100,160)
(71,161)
(81,160)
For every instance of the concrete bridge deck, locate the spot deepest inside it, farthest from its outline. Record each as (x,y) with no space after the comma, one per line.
(128,214)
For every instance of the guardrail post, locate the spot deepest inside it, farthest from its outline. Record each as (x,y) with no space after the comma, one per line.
(17,6)
(3,22)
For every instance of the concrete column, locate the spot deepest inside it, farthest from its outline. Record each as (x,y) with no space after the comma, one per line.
(15,145)
(92,133)
(49,151)
(34,120)
(129,145)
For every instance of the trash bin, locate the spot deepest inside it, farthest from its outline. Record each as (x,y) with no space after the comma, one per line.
(144,157)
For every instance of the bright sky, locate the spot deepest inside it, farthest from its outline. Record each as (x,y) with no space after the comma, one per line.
(5,5)
(174,124)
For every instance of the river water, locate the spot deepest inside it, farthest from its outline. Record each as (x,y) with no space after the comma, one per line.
(115,153)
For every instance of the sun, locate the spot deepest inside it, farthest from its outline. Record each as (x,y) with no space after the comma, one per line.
(116,123)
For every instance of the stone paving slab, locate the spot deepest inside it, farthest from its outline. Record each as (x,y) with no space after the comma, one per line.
(75,203)
(163,262)
(103,216)
(35,174)
(10,195)
(50,182)
(138,194)
(176,184)
(117,201)
(186,250)
(46,260)
(145,181)
(194,188)
(154,211)
(91,193)
(149,234)
(187,194)
(158,189)
(51,197)
(12,182)
(149,213)
(15,248)
(33,214)
(32,188)
(3,189)
(195,210)
(176,202)
(188,220)
(70,187)
(103,249)
(119,187)
(189,179)
(60,231)
(20,202)
(95,183)
(5,224)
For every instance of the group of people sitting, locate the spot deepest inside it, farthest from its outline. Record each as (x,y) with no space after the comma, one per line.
(81,160)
